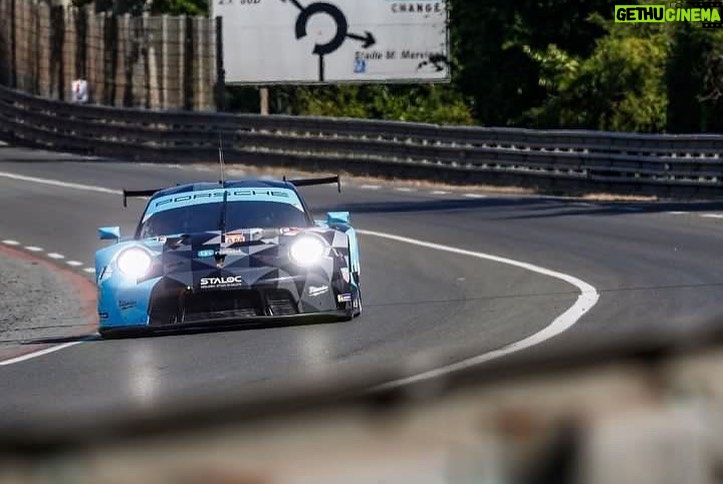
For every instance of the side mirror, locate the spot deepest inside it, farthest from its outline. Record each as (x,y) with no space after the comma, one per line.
(109,233)
(338,218)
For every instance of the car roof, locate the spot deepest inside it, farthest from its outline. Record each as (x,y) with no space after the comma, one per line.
(241,183)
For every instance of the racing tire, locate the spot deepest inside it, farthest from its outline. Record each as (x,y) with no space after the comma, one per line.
(358,311)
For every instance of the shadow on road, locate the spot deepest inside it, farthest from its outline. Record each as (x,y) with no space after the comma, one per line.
(511,208)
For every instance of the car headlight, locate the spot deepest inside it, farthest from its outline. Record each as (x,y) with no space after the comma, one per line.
(307,251)
(134,262)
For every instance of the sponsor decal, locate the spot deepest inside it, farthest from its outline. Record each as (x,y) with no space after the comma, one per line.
(344,297)
(220,252)
(318,290)
(221,282)
(102,315)
(235,238)
(230,251)
(123,305)
(360,65)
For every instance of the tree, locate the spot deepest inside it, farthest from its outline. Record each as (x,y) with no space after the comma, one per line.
(620,87)
(695,79)
(136,7)
(180,7)
(488,41)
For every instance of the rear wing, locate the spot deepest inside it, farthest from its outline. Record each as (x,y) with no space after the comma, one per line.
(137,194)
(306,182)
(303,182)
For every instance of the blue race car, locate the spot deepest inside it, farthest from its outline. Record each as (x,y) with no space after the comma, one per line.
(235,252)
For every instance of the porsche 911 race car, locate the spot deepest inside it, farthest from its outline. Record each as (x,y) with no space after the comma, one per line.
(216,254)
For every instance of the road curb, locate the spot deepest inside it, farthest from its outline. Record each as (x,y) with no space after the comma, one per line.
(83,289)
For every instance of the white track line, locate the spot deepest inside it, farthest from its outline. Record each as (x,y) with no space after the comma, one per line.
(74,263)
(474,195)
(58,183)
(370,187)
(439,192)
(712,215)
(585,301)
(677,213)
(405,189)
(35,354)
(32,248)
(89,270)
(53,255)
(11,242)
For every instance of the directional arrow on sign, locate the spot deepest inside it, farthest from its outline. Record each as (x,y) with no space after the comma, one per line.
(342,29)
(367,38)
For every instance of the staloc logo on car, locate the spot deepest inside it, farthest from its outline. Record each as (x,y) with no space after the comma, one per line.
(228,253)
(211,282)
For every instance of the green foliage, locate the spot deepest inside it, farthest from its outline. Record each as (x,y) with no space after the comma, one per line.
(488,40)
(425,103)
(180,7)
(136,7)
(620,87)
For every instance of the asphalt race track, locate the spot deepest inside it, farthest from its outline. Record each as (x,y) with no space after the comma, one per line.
(656,269)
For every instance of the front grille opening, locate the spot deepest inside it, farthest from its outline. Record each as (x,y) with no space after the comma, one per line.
(188,307)
(221,305)
(281,303)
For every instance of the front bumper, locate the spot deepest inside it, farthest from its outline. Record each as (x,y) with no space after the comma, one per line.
(229,323)
(172,303)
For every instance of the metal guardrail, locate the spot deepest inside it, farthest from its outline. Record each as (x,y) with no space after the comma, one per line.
(667,165)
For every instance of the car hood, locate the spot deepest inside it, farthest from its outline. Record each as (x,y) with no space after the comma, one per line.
(235,259)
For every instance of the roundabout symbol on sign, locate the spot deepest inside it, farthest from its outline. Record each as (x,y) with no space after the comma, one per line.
(342,29)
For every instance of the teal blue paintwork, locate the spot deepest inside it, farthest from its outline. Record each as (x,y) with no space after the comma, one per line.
(338,218)
(109,233)
(123,301)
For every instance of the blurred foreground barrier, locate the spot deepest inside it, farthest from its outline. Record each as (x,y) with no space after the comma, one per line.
(551,161)
(612,421)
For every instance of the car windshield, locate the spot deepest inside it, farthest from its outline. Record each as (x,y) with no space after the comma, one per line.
(207,217)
